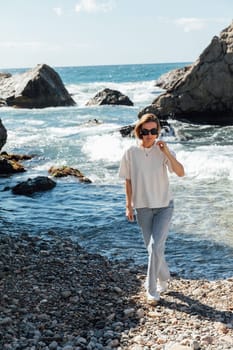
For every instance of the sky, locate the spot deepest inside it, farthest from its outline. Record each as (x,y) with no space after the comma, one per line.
(104,32)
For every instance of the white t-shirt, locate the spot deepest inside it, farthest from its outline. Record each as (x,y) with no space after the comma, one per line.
(147,170)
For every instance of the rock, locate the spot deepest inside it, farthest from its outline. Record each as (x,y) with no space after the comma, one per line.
(9,163)
(110,97)
(5,75)
(67,171)
(176,346)
(53,345)
(37,88)
(40,183)
(129,312)
(201,93)
(127,131)
(15,157)
(169,79)
(92,122)
(10,166)
(66,294)
(5,321)
(3,134)
(140,313)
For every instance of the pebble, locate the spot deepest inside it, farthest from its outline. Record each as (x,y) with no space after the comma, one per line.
(54,295)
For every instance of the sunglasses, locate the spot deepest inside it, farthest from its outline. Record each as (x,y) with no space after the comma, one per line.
(153,131)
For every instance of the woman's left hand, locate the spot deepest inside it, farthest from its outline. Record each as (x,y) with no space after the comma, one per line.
(163,146)
(177,167)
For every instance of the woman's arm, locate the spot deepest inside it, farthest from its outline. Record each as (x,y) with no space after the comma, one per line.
(129,207)
(177,167)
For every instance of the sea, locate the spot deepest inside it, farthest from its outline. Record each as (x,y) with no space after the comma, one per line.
(88,138)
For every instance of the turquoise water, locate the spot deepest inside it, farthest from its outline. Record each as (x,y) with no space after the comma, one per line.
(200,243)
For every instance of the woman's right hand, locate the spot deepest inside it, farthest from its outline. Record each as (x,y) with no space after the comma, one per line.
(130,213)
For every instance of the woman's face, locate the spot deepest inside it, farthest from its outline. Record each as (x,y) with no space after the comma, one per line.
(149,132)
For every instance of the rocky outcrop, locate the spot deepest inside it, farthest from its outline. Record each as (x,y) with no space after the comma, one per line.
(9,163)
(110,97)
(39,87)
(169,79)
(67,171)
(8,167)
(15,157)
(3,135)
(38,184)
(202,93)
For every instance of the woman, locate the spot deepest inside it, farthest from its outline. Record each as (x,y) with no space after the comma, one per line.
(144,168)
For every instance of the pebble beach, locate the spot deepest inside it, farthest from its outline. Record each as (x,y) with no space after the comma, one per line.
(54,295)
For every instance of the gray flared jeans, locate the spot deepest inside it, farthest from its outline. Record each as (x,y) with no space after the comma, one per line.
(155,224)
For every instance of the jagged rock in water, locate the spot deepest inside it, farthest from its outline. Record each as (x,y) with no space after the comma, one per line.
(15,157)
(68,171)
(38,184)
(110,97)
(127,131)
(39,87)
(10,166)
(204,93)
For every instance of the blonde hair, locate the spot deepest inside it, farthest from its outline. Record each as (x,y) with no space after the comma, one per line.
(148,117)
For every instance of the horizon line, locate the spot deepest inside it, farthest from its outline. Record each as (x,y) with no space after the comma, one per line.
(97,65)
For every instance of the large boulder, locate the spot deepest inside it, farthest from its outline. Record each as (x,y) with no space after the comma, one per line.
(37,88)
(202,93)
(110,97)
(30,186)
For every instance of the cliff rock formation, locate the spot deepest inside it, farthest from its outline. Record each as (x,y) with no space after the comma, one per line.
(203,92)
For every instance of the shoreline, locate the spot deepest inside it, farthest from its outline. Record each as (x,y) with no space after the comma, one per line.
(55,295)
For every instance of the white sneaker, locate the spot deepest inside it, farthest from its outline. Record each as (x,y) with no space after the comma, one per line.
(145,284)
(153,299)
(162,286)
